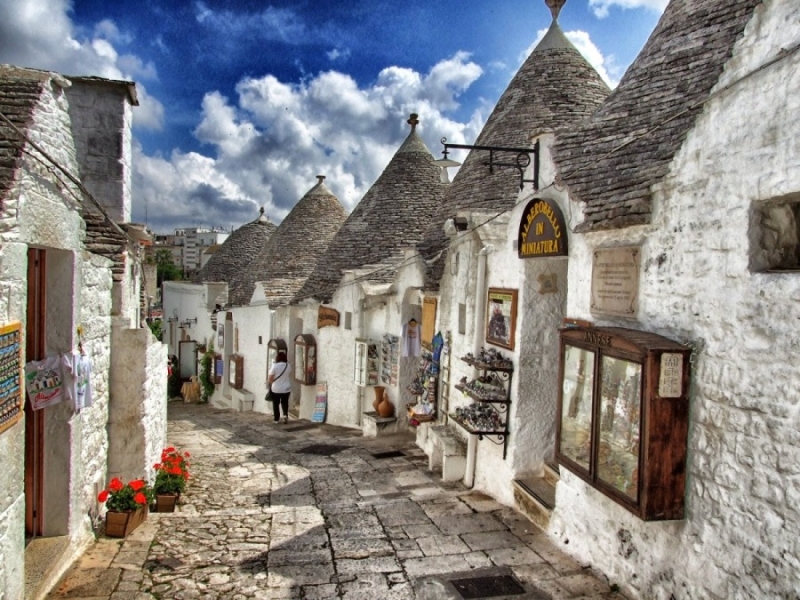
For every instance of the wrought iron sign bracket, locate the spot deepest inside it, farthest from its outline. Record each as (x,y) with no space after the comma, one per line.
(521,163)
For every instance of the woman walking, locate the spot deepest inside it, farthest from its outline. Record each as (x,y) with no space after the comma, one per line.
(280,384)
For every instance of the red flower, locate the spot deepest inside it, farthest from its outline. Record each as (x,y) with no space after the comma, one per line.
(115,485)
(157,466)
(169,450)
(103,496)
(186,454)
(175,471)
(140,498)
(136,485)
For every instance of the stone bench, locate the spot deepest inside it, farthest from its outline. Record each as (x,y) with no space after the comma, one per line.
(242,400)
(446,450)
(374,425)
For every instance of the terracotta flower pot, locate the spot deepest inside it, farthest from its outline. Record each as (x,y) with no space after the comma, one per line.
(379,391)
(121,523)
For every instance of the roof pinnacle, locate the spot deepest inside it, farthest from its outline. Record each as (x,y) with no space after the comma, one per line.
(413,121)
(555,7)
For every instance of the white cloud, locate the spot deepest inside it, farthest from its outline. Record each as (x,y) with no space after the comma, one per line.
(601,7)
(40,34)
(277,137)
(605,66)
(338,55)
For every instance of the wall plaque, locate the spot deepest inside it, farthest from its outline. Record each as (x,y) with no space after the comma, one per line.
(327,317)
(615,281)
(542,230)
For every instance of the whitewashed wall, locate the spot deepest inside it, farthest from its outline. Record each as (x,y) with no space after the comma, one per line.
(137,419)
(740,536)
(38,212)
(534,383)
(252,328)
(182,301)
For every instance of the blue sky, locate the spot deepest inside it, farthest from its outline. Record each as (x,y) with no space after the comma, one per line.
(244,102)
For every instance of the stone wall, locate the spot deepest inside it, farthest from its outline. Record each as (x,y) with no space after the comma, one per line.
(740,535)
(137,416)
(40,210)
(101,123)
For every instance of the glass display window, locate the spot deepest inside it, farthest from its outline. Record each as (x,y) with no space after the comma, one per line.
(274,346)
(576,418)
(623,391)
(305,359)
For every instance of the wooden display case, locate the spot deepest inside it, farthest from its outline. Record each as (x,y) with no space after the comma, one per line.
(623,416)
(236,371)
(305,359)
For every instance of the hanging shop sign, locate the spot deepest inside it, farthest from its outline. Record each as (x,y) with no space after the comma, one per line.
(11,389)
(327,317)
(542,230)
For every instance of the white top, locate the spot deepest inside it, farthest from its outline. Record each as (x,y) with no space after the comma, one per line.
(283,377)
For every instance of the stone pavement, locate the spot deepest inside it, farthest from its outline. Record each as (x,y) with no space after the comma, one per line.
(314,511)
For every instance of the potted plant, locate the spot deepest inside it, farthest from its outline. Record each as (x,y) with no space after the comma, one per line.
(172,473)
(126,505)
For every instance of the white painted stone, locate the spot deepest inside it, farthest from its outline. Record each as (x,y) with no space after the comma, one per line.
(739,538)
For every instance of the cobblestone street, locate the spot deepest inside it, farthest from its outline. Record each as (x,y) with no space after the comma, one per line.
(314,511)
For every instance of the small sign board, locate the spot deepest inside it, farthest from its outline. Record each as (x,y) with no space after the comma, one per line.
(327,317)
(542,230)
(670,377)
(321,404)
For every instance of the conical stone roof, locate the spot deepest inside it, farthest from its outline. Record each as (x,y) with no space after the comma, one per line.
(390,217)
(554,88)
(292,252)
(236,253)
(612,160)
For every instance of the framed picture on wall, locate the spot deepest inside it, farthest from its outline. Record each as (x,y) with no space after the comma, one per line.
(501,317)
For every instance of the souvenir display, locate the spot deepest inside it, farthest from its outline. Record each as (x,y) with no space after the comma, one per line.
(390,359)
(609,411)
(492,392)
(426,383)
(11,399)
(365,364)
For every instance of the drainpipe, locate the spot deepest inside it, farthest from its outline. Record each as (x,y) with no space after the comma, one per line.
(480,324)
(360,334)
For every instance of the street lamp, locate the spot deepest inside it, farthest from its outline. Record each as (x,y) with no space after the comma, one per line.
(521,161)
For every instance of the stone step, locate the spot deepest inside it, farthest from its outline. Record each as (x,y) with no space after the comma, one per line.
(551,473)
(536,497)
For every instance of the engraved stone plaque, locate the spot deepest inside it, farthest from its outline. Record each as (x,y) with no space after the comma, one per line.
(670,379)
(615,281)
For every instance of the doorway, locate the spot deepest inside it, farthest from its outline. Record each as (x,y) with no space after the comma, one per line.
(34,420)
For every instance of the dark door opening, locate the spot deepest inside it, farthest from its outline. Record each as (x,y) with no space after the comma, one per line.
(34,420)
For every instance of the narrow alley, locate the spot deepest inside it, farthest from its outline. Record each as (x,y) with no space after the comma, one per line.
(314,511)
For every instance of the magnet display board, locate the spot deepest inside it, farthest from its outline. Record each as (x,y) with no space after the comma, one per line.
(12,394)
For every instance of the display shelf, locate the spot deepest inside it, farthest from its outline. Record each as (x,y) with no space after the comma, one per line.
(472,394)
(491,395)
(623,416)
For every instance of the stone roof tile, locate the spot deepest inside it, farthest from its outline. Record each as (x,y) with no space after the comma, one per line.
(612,160)
(292,252)
(235,255)
(554,88)
(391,217)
